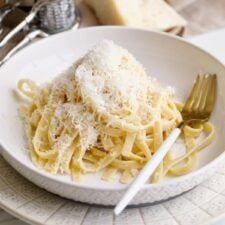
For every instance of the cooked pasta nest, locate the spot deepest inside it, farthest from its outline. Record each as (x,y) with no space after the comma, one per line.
(106,115)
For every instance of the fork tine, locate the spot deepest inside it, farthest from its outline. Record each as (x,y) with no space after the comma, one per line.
(199,94)
(211,97)
(205,94)
(201,100)
(190,99)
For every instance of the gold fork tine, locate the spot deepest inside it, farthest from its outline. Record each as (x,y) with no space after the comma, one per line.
(199,93)
(190,99)
(205,93)
(200,103)
(212,95)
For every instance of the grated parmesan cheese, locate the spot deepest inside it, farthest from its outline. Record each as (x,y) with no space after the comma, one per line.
(112,84)
(111,78)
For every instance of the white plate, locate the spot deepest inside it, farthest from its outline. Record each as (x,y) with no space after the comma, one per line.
(27,202)
(171,60)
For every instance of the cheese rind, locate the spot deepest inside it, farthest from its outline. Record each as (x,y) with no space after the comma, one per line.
(152,14)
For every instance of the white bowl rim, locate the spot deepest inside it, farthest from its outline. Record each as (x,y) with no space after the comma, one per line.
(174,181)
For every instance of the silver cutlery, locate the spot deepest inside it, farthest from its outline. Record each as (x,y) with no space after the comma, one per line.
(54,17)
(35,9)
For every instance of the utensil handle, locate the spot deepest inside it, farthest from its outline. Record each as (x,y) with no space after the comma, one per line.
(5,10)
(17,29)
(28,38)
(147,171)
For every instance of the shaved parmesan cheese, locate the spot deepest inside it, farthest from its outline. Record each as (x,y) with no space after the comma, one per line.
(112,85)
(79,119)
(110,78)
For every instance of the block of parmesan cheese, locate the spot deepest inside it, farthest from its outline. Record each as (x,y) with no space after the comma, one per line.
(152,14)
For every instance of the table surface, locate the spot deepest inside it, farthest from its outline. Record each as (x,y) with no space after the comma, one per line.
(202,16)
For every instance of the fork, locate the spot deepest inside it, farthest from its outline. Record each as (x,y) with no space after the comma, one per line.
(198,109)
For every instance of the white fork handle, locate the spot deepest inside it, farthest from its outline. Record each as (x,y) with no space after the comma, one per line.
(147,171)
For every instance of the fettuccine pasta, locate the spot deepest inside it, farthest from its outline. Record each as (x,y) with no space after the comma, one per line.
(105,114)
